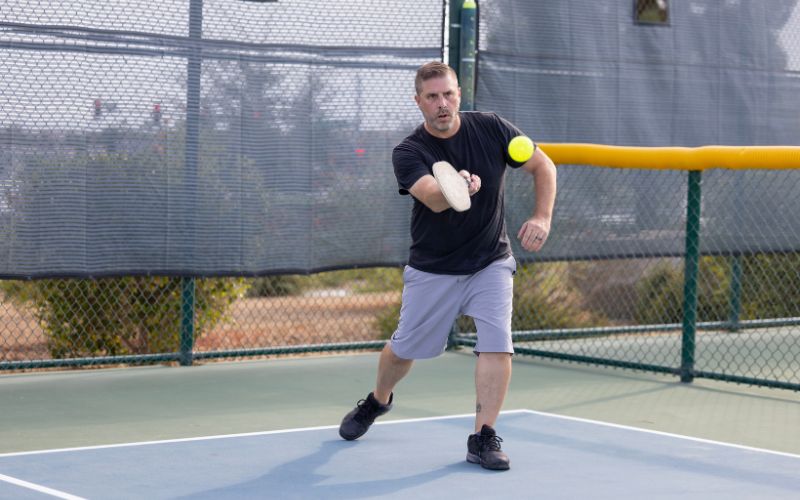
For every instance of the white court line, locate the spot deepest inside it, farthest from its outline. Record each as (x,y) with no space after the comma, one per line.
(39,488)
(227,436)
(661,433)
(400,421)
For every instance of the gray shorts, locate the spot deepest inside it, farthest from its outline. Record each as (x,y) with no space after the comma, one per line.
(432,302)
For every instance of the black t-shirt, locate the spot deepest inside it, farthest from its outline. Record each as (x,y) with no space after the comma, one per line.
(453,242)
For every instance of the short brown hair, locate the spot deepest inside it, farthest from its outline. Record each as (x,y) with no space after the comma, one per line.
(433,69)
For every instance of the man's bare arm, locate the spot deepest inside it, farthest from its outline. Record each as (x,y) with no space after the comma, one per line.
(427,191)
(535,230)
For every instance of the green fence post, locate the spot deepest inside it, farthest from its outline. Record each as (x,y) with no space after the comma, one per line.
(194,62)
(466,67)
(187,320)
(454,43)
(463,62)
(735,293)
(691,268)
(194,65)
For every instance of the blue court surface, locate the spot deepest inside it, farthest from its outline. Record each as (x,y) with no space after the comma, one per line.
(551,457)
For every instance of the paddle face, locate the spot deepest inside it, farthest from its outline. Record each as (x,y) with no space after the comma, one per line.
(454,187)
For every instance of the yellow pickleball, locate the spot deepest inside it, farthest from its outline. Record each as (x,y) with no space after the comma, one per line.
(520,149)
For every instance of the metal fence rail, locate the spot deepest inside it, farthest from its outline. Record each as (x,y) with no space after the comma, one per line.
(666,263)
(747,327)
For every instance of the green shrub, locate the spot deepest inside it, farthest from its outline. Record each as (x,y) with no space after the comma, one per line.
(275,286)
(386,321)
(771,286)
(362,280)
(545,297)
(119,316)
(660,294)
(366,280)
(379,279)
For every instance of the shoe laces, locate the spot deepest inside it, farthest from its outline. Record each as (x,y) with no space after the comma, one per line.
(491,443)
(364,410)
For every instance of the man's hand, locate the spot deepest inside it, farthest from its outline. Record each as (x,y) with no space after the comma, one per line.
(473,181)
(533,233)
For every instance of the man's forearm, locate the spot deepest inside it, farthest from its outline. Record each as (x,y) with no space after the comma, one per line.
(544,178)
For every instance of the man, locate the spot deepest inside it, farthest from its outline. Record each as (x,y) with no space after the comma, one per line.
(460,262)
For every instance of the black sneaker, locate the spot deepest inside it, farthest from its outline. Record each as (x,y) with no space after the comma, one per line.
(484,448)
(356,423)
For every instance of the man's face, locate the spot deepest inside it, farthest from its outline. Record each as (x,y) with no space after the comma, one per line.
(439,100)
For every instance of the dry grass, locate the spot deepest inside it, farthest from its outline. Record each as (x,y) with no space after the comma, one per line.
(249,323)
(277,321)
(21,336)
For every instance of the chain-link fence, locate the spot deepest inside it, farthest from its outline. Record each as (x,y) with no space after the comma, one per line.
(182,190)
(180,138)
(141,319)
(622,312)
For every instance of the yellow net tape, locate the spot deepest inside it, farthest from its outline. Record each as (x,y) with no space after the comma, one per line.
(675,158)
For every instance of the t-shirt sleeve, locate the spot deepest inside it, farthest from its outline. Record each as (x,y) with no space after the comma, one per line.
(409,167)
(508,131)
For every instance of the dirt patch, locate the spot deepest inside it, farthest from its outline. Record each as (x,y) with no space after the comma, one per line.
(276,321)
(21,336)
(249,323)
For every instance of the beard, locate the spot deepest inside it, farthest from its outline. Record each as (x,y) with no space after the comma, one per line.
(443,120)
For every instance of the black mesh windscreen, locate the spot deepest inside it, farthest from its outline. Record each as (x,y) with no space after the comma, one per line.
(206,137)
(229,137)
(716,73)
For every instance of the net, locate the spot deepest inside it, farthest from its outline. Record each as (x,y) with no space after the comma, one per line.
(214,137)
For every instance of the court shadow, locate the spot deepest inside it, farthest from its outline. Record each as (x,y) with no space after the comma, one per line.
(301,477)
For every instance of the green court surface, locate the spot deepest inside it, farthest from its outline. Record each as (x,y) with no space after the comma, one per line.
(66,409)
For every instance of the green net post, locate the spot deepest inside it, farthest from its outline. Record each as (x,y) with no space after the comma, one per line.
(187,320)
(735,293)
(466,67)
(691,268)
